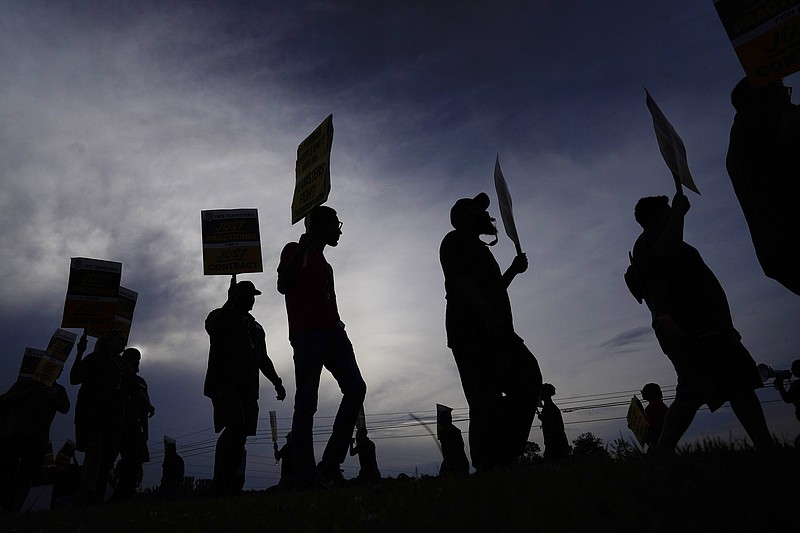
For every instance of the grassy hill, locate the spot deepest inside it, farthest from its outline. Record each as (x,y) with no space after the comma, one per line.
(710,487)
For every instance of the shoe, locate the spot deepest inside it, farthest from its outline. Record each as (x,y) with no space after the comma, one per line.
(329,477)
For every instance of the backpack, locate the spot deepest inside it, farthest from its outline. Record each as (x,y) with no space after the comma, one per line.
(633,282)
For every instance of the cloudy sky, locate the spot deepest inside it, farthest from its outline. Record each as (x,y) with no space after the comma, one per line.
(121,121)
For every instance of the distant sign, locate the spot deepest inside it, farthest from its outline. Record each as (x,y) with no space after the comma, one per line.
(312,170)
(61,344)
(765,35)
(123,317)
(92,293)
(671,146)
(30,362)
(231,242)
(273,425)
(45,366)
(637,422)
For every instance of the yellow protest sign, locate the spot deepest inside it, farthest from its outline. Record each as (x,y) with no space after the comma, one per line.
(637,422)
(231,242)
(61,344)
(123,317)
(765,35)
(92,293)
(312,170)
(30,362)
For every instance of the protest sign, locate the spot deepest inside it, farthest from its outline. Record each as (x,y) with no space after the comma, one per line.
(312,170)
(273,424)
(671,146)
(765,35)
(361,421)
(61,344)
(637,422)
(45,366)
(123,317)
(504,200)
(92,293)
(231,242)
(30,362)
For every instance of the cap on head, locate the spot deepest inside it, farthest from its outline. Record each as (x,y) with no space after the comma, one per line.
(460,213)
(247,287)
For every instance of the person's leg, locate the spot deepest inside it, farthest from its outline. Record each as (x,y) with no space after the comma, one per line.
(112,438)
(522,384)
(483,393)
(679,417)
(308,348)
(340,361)
(748,410)
(90,472)
(229,412)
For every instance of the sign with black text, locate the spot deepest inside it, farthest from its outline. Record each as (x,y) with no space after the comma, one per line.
(123,317)
(765,35)
(231,242)
(313,170)
(92,293)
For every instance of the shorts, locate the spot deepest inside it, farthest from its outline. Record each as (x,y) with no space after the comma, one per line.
(712,369)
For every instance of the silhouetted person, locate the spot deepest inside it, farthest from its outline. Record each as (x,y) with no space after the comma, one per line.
(363,446)
(764,166)
(793,394)
(105,387)
(693,325)
(319,340)
(500,376)
(655,412)
(556,445)
(238,352)
(135,431)
(454,458)
(284,455)
(173,470)
(27,410)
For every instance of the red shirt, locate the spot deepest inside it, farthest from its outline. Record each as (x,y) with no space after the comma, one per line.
(310,297)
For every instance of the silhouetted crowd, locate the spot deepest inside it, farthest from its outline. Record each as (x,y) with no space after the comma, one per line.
(500,376)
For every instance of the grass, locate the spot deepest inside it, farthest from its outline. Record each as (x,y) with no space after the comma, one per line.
(708,487)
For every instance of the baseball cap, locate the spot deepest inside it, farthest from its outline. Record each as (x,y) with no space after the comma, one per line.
(247,287)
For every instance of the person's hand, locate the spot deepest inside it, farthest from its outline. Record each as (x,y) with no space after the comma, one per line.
(680,203)
(83,343)
(778,384)
(279,388)
(232,292)
(151,411)
(519,264)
